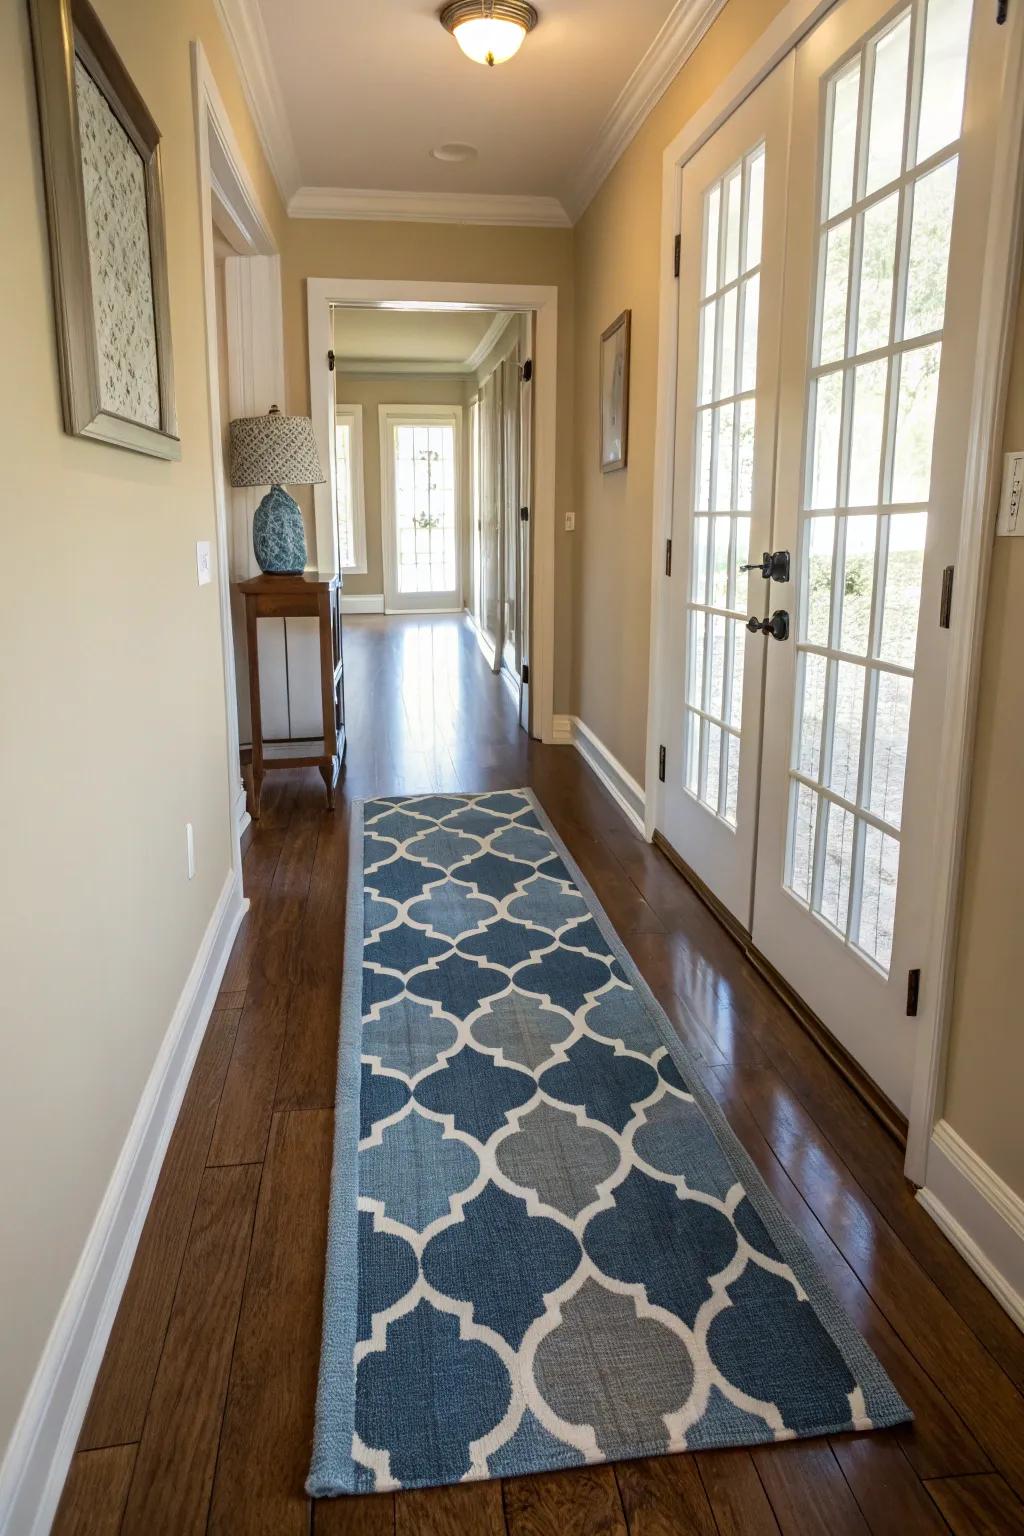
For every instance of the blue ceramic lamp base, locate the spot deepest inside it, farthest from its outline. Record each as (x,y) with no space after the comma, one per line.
(278,537)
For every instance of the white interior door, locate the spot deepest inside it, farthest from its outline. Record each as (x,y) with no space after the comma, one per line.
(421,458)
(525,523)
(887,213)
(884,210)
(730,299)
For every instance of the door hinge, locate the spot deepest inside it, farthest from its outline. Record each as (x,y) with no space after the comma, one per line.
(1002,7)
(330,361)
(661,764)
(677,253)
(525,674)
(913,992)
(526,371)
(524,514)
(668,557)
(946,599)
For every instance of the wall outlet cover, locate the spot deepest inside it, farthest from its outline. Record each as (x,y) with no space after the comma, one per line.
(190,850)
(204,562)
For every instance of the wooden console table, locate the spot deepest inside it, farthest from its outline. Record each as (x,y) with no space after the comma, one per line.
(307,596)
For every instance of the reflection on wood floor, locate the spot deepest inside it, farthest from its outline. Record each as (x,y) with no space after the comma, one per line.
(202,1416)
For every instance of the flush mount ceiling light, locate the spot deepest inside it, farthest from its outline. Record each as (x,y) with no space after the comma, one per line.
(489,31)
(453,153)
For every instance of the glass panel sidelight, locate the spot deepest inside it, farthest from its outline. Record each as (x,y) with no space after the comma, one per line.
(345,499)
(723,484)
(888,183)
(425,512)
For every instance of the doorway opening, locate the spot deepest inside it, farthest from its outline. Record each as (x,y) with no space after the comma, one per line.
(434,404)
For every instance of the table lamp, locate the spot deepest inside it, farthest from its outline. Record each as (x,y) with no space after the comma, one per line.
(276,450)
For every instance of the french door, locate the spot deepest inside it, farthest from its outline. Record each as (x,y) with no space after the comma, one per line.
(882,208)
(421,462)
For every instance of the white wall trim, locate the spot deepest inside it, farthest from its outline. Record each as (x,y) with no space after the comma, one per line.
(680,33)
(493,334)
(247,38)
(44,1438)
(372,292)
(362,602)
(979,1213)
(427,207)
(617,780)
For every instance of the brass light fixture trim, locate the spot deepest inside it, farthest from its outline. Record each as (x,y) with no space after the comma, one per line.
(458,12)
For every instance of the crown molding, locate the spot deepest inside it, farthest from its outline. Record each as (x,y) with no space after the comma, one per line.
(426,207)
(490,338)
(247,38)
(378,368)
(682,30)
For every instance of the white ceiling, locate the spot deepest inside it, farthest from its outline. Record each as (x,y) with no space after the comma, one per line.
(375,339)
(351,97)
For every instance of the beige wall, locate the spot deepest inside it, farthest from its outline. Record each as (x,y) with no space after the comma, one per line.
(447,253)
(986,1060)
(112,698)
(618,265)
(403,389)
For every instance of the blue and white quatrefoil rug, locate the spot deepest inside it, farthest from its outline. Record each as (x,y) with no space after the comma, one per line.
(546,1245)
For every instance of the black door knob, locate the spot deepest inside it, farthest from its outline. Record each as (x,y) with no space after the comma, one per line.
(777,626)
(773,565)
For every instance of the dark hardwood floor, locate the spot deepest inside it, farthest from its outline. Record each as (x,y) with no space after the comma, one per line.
(202,1415)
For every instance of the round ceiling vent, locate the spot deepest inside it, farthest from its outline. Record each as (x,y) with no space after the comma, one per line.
(454,152)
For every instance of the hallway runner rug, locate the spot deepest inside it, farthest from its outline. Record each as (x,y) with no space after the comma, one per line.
(546,1245)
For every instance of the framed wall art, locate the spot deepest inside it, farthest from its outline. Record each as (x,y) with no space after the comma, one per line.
(101,162)
(615,394)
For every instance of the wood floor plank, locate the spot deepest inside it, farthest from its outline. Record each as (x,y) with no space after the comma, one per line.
(582,1502)
(170,1492)
(938,1443)
(736,1494)
(978,1506)
(94,1496)
(250,1087)
(891,1496)
(988,1401)
(268,1417)
(468,1509)
(117,1409)
(309,1058)
(664,1496)
(371,1514)
(808,1493)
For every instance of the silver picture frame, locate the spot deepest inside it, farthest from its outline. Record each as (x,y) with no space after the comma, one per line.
(109,273)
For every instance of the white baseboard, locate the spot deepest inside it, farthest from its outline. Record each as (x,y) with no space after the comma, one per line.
(620,784)
(362,602)
(40,1450)
(979,1213)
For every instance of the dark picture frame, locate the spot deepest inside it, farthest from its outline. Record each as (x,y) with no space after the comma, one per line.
(109,277)
(614,394)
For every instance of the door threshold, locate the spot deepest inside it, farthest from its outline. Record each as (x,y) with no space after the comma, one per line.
(866,1089)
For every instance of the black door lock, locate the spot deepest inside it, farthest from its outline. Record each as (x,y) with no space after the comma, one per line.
(774,565)
(777,626)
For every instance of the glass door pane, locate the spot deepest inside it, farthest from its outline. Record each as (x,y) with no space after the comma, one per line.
(425,507)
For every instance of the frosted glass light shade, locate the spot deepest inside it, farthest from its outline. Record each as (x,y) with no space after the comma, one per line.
(488,40)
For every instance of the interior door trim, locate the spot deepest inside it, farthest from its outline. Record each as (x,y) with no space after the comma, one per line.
(866,1089)
(1000,284)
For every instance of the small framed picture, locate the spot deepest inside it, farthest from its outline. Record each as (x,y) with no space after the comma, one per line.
(615,394)
(105,208)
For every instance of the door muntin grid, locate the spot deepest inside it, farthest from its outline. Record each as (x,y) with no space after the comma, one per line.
(893,117)
(723,482)
(426,534)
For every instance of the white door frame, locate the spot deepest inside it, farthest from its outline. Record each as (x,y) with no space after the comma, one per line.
(984,471)
(387,415)
(375,293)
(226,187)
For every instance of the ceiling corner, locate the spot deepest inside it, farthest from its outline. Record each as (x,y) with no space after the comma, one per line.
(247,38)
(682,30)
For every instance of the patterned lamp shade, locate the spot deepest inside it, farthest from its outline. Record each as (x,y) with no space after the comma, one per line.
(274,450)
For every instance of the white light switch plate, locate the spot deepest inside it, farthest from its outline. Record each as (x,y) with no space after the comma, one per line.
(204,565)
(190,850)
(570,522)
(1010,522)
